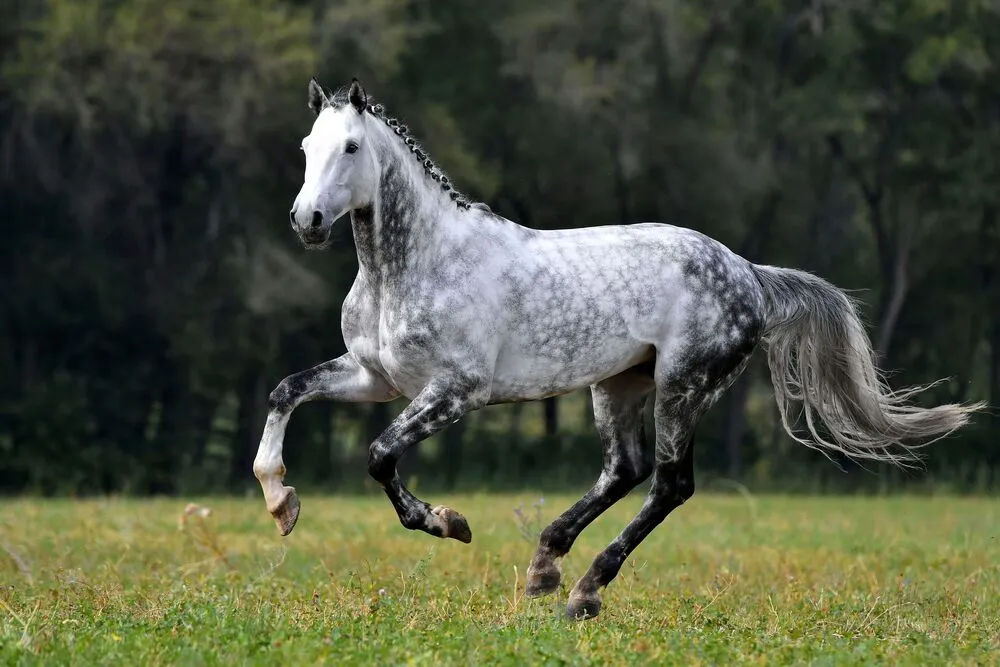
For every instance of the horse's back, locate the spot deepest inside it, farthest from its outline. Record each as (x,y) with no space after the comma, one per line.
(588,303)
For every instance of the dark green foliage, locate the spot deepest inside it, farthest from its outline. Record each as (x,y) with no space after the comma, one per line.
(153,293)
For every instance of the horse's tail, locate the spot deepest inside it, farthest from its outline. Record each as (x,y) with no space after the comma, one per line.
(820,358)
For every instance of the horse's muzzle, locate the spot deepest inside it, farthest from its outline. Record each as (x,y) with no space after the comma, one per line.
(315,237)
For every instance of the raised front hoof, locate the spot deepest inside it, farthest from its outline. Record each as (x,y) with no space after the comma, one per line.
(582,607)
(452,524)
(286,513)
(542,580)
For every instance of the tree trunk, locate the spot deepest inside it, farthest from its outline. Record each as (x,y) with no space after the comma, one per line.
(202,411)
(995,354)
(551,411)
(452,441)
(991,283)
(167,447)
(893,248)
(250,419)
(498,457)
(660,61)
(897,282)
(621,186)
(704,50)
(375,422)
(736,424)
(334,447)
(897,285)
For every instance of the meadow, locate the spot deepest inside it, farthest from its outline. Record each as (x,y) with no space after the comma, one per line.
(726,580)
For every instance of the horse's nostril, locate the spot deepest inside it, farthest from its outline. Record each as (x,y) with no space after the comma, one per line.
(317,219)
(291,216)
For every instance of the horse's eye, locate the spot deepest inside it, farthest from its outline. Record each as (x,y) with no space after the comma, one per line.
(352,147)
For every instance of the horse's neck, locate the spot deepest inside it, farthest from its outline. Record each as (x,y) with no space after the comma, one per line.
(363,226)
(394,235)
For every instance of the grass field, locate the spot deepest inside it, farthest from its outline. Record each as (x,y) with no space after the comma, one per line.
(775,580)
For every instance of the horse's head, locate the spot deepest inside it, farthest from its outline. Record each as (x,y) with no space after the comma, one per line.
(341,172)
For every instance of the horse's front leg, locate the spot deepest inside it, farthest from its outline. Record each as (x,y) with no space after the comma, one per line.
(341,379)
(441,403)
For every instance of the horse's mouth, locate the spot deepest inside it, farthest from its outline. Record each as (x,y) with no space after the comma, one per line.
(315,240)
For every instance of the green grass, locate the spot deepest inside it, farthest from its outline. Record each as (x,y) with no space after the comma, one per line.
(775,580)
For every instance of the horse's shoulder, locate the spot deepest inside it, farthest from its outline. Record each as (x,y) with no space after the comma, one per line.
(359,311)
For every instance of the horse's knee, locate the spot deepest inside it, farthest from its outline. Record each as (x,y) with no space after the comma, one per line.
(671,492)
(278,400)
(626,475)
(290,391)
(381,466)
(616,482)
(282,398)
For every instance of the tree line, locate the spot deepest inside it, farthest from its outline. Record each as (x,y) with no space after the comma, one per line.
(154,293)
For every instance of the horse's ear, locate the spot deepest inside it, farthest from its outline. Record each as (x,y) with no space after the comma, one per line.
(317,98)
(357,96)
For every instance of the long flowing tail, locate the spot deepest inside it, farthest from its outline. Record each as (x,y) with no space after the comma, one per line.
(821,359)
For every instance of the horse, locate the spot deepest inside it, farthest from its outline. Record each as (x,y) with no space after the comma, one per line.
(456,307)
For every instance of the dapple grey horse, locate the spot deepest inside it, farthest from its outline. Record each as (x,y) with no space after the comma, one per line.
(456,307)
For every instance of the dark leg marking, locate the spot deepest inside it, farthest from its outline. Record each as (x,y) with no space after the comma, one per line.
(679,405)
(673,484)
(618,408)
(434,408)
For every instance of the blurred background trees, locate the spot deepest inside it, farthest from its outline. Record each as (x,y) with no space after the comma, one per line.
(153,293)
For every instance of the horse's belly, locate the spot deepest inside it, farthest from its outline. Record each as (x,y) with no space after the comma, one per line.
(526,373)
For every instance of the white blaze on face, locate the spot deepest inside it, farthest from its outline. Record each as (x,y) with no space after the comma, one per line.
(340,173)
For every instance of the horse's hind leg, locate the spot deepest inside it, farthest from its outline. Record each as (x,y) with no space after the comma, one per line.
(618,408)
(681,399)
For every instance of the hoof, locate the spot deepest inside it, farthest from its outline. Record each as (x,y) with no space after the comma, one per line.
(542,580)
(452,524)
(287,512)
(581,607)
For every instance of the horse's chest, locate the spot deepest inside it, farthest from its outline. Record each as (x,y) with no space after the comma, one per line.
(416,339)
(408,353)
(361,323)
